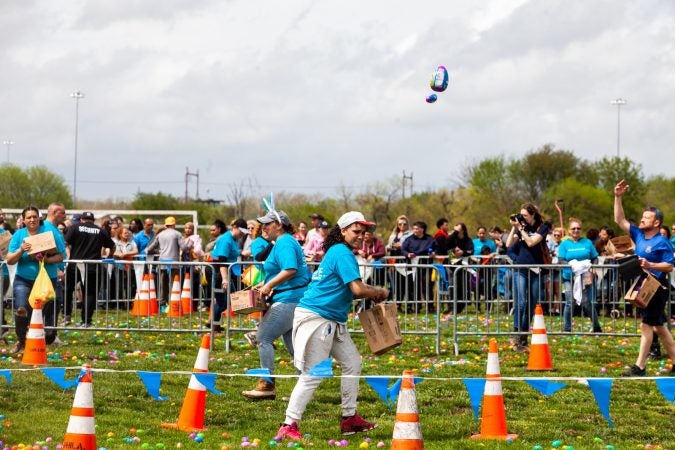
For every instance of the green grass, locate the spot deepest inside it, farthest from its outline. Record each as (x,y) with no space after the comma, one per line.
(35,409)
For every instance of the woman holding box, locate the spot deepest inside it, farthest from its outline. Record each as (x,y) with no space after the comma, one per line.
(320,326)
(27,268)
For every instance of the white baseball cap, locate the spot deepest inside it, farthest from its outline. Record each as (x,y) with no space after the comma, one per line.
(353,217)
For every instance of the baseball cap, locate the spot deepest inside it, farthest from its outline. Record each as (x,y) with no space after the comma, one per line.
(76,218)
(275,216)
(353,217)
(242,225)
(324,224)
(170,221)
(87,215)
(316,216)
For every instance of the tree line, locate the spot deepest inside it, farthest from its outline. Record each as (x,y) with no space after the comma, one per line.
(488,193)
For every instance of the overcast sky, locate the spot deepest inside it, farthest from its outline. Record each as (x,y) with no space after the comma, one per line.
(309,95)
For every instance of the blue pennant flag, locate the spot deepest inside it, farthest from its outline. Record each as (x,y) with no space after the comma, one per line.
(546,387)
(58,376)
(323,369)
(667,388)
(152,381)
(475,387)
(7,374)
(601,391)
(208,380)
(396,388)
(381,386)
(262,372)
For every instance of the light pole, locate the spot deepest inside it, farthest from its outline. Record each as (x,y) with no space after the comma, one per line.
(9,144)
(618,102)
(77,96)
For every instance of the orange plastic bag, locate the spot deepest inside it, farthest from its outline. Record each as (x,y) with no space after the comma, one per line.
(43,289)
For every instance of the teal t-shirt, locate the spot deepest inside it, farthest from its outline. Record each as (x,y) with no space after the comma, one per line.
(258,245)
(328,294)
(579,250)
(226,247)
(287,255)
(27,267)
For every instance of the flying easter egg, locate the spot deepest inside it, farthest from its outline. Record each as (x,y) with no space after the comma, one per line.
(432,98)
(439,80)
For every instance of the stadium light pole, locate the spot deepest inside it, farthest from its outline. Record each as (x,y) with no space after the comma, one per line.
(77,96)
(9,144)
(618,103)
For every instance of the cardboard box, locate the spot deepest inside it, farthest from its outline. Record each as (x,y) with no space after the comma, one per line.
(41,243)
(620,244)
(247,301)
(380,325)
(5,238)
(642,290)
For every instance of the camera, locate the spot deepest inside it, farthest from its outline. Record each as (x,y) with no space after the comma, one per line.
(518,218)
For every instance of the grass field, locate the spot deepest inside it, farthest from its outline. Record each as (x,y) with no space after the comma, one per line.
(36,411)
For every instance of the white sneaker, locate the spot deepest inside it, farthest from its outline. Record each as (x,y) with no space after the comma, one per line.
(57,342)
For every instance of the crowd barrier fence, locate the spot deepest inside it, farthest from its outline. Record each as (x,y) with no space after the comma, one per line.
(468,297)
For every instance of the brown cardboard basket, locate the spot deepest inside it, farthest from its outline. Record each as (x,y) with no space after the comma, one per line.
(642,290)
(247,301)
(620,244)
(380,325)
(5,238)
(41,243)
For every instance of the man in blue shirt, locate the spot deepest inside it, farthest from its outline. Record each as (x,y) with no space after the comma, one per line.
(143,238)
(656,256)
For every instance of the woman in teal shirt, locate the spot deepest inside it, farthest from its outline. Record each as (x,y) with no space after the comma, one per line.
(27,268)
(286,279)
(320,326)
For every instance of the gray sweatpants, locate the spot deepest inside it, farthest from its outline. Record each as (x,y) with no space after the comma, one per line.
(328,339)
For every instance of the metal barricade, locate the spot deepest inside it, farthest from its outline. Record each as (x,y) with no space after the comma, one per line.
(469,297)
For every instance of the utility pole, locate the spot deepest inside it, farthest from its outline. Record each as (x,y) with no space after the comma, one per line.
(9,144)
(405,178)
(619,102)
(189,174)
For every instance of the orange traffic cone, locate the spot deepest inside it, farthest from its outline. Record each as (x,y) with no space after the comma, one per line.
(81,431)
(493,420)
(540,353)
(186,294)
(191,416)
(142,303)
(407,433)
(175,309)
(35,351)
(154,305)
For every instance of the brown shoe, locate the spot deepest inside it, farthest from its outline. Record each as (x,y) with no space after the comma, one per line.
(18,348)
(263,391)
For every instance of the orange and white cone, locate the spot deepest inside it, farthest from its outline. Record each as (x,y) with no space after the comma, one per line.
(142,302)
(407,433)
(81,431)
(154,304)
(540,353)
(175,309)
(191,417)
(35,350)
(493,419)
(186,294)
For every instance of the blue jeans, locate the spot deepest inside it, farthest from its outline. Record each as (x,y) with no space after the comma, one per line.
(527,288)
(22,288)
(587,303)
(277,321)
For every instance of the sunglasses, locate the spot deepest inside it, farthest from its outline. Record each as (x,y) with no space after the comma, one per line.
(403,223)
(575,228)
